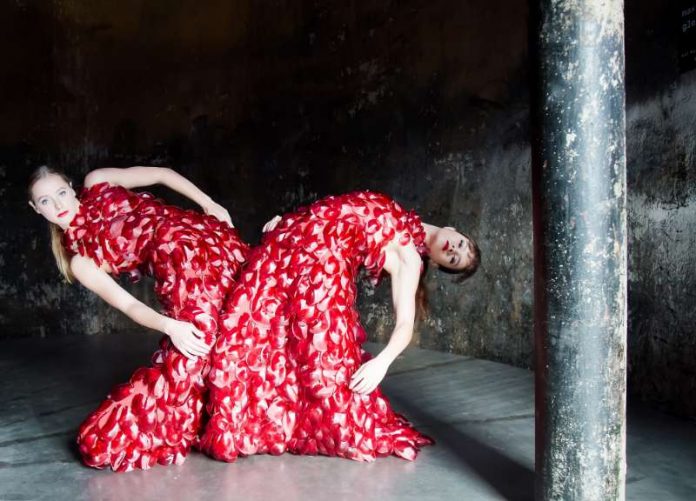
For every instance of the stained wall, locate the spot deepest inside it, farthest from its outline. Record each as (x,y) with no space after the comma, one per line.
(269,105)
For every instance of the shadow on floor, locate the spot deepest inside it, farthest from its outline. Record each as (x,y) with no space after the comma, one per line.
(509,478)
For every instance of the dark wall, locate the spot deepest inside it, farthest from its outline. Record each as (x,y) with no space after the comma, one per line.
(661,144)
(268,105)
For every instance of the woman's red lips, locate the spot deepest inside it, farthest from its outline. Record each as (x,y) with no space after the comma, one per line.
(446,246)
(64,213)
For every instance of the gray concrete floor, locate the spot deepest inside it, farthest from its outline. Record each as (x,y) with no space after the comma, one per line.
(481,414)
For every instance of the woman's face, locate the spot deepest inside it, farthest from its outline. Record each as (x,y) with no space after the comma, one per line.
(54,199)
(451,249)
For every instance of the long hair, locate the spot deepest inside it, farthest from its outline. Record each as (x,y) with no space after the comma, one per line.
(59,252)
(422,302)
(474,263)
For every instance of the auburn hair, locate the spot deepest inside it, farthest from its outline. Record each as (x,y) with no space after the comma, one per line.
(422,303)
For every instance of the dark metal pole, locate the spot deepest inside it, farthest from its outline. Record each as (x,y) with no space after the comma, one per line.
(579,190)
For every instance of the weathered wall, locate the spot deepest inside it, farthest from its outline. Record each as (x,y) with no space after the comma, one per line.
(267,105)
(661,145)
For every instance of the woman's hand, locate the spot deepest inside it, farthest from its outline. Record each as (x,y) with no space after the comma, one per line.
(368,376)
(187,339)
(217,211)
(270,225)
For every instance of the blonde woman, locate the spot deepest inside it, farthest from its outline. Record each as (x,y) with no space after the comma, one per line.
(107,230)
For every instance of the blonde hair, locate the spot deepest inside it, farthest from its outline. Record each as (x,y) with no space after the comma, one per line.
(59,252)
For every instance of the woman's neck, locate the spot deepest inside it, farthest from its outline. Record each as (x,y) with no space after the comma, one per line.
(430,233)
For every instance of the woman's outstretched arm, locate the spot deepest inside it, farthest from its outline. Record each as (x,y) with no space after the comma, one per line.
(403,263)
(137,177)
(184,335)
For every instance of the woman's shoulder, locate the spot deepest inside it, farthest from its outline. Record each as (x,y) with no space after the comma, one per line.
(107,192)
(91,189)
(93,178)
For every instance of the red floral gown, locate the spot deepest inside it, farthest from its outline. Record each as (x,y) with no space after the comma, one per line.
(193,258)
(290,339)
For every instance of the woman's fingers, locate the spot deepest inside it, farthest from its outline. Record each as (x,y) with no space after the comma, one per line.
(196,350)
(359,377)
(271,224)
(356,379)
(366,387)
(186,353)
(199,346)
(358,384)
(364,380)
(196,332)
(219,212)
(196,341)
(360,371)
(196,338)
(194,346)
(360,388)
(202,350)
(189,340)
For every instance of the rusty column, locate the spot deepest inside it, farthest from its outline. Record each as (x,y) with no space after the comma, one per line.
(579,196)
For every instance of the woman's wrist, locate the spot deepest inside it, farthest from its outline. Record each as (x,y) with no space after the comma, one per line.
(205,201)
(163,324)
(397,343)
(385,356)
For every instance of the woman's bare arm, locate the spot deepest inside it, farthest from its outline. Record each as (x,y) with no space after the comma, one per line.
(184,335)
(403,263)
(138,177)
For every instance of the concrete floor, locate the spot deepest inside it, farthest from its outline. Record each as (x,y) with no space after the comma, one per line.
(480,413)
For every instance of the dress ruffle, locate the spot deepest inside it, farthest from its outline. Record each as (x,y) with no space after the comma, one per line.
(156,416)
(290,339)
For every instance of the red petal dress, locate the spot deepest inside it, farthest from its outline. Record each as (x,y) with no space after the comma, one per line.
(290,339)
(194,259)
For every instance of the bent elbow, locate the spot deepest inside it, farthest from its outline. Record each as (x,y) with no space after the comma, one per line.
(95,177)
(164,174)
